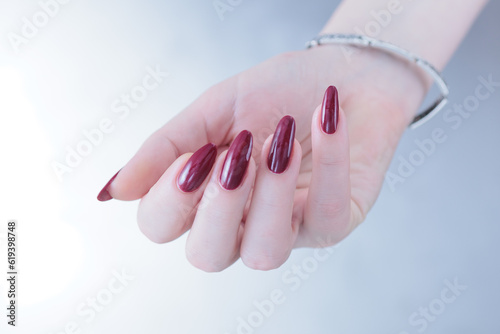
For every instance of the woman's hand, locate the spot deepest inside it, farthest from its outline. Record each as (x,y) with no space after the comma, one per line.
(314,198)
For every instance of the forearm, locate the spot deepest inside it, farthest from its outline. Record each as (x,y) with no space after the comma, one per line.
(432,29)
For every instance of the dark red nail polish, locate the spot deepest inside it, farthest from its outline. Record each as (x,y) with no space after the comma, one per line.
(282,145)
(104,194)
(236,162)
(330,110)
(197,168)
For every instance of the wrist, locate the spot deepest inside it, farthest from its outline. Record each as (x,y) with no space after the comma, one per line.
(381,75)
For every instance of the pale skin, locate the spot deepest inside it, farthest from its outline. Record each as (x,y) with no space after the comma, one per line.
(332,180)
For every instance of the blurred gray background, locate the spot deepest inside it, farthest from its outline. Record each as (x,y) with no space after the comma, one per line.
(439,227)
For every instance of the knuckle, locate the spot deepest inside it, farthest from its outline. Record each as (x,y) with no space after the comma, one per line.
(154,236)
(203,262)
(146,227)
(331,219)
(158,232)
(156,226)
(263,262)
(329,160)
(329,209)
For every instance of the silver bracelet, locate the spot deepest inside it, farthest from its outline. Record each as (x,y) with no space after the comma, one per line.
(365,41)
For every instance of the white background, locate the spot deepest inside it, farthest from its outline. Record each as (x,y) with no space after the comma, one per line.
(442,223)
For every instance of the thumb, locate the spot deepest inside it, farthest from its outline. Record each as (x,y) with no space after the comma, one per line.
(204,121)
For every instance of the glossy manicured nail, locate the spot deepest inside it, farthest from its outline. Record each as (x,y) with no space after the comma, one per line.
(197,168)
(236,162)
(104,194)
(282,145)
(330,110)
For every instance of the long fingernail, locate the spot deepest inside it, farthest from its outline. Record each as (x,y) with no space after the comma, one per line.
(236,162)
(197,168)
(104,194)
(330,110)
(282,145)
